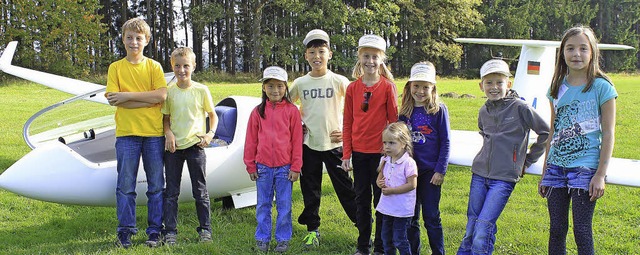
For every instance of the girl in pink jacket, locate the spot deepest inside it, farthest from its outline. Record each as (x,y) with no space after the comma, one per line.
(273,156)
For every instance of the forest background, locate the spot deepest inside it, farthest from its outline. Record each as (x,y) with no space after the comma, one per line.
(81,38)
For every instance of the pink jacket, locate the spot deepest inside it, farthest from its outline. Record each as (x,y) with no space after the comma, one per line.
(275,140)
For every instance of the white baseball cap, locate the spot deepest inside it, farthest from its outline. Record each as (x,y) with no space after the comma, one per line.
(274,72)
(316,34)
(423,72)
(494,66)
(372,41)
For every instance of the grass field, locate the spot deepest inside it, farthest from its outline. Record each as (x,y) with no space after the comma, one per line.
(33,227)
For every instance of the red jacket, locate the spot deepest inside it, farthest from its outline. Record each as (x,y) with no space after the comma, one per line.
(362,131)
(275,140)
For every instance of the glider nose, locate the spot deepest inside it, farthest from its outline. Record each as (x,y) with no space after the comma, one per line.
(55,173)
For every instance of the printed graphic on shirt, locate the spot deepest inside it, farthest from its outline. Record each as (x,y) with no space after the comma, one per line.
(419,132)
(317,93)
(572,124)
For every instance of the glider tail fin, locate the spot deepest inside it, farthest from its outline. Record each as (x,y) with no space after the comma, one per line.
(7,55)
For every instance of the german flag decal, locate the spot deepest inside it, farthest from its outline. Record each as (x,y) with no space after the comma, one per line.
(533,67)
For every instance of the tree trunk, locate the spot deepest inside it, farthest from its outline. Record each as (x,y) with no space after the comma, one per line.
(184,23)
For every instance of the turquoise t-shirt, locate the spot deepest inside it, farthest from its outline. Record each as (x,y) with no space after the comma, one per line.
(577,131)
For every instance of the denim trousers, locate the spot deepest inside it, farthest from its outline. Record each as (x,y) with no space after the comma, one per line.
(567,177)
(196,163)
(487,199)
(394,235)
(365,173)
(129,149)
(428,201)
(311,185)
(270,180)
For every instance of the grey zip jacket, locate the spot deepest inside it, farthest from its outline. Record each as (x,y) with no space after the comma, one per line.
(504,125)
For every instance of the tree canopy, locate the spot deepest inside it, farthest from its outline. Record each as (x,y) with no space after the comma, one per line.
(75,38)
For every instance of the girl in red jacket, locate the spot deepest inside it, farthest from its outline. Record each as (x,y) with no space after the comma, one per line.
(273,155)
(370,104)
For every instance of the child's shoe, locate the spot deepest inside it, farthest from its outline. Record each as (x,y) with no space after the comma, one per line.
(312,239)
(262,246)
(124,240)
(359,252)
(205,236)
(282,246)
(154,240)
(170,238)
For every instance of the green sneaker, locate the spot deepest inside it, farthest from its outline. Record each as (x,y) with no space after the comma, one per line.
(312,239)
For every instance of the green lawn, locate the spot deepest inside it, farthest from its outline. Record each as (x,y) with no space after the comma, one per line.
(33,227)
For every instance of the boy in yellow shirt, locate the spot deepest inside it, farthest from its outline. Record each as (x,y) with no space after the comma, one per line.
(185,111)
(136,86)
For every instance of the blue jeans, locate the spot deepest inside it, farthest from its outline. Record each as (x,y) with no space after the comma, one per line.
(567,177)
(272,179)
(394,235)
(428,199)
(129,149)
(196,163)
(487,199)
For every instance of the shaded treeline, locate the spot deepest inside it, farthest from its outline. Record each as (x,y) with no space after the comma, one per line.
(76,38)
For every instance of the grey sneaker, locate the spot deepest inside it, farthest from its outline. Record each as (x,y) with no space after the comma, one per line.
(312,239)
(154,240)
(170,238)
(262,246)
(205,236)
(282,246)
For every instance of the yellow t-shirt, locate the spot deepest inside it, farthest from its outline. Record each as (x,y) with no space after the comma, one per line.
(145,76)
(188,109)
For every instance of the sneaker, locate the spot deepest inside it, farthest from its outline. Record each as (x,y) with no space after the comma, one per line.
(170,238)
(205,236)
(262,246)
(359,252)
(282,246)
(312,239)
(124,240)
(154,240)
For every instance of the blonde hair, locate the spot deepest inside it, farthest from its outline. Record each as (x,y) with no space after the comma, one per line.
(137,25)
(183,52)
(593,69)
(400,132)
(358,70)
(433,103)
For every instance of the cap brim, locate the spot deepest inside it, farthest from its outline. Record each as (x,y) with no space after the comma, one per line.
(372,46)
(422,79)
(275,78)
(508,74)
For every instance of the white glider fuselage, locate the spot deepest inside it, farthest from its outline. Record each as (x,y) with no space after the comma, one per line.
(533,76)
(83,171)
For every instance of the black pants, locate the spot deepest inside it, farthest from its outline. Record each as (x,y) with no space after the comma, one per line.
(196,162)
(558,200)
(311,185)
(365,167)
